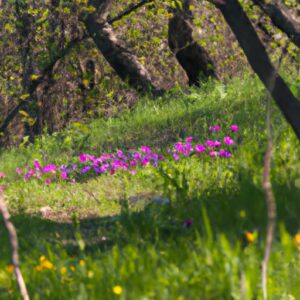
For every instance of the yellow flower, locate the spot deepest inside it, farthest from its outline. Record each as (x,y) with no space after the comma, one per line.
(81,263)
(250,236)
(47,264)
(39,268)
(180,298)
(297,240)
(117,290)
(10,268)
(42,258)
(63,270)
(72,268)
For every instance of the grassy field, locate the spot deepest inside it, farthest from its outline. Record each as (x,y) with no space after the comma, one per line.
(191,228)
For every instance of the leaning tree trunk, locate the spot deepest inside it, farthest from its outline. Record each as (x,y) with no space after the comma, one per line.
(193,58)
(259,60)
(123,61)
(281,18)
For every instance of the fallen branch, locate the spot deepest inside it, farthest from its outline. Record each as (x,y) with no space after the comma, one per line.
(14,247)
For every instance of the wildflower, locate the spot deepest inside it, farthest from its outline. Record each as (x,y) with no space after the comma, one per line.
(214,128)
(189,139)
(210,143)
(18,171)
(200,148)
(2,175)
(187,223)
(85,169)
(72,268)
(217,143)
(39,268)
(63,270)
(81,263)
(117,290)
(64,175)
(47,264)
(10,268)
(176,156)
(133,172)
(297,240)
(145,149)
(234,127)
(49,168)
(48,180)
(224,153)
(213,153)
(37,164)
(228,140)
(250,236)
(180,298)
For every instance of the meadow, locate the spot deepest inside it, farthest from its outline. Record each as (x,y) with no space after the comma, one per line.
(180,215)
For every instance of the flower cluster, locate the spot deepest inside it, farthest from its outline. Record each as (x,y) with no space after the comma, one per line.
(127,160)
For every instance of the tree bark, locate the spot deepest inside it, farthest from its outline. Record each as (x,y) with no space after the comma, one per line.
(193,58)
(124,62)
(281,18)
(260,62)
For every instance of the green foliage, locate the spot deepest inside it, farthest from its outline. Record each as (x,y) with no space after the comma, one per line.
(124,243)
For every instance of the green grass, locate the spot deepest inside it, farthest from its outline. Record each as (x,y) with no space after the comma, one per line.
(107,231)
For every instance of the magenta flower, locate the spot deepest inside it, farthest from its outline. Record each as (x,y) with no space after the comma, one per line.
(234,127)
(213,153)
(217,143)
(85,169)
(214,128)
(225,153)
(210,143)
(200,148)
(145,149)
(189,139)
(133,163)
(176,156)
(82,157)
(188,223)
(228,140)
(48,180)
(18,171)
(64,175)
(37,164)
(49,168)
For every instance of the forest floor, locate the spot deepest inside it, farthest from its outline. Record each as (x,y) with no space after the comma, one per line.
(188,226)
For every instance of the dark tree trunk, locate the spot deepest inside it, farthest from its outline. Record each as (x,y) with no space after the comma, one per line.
(193,58)
(281,18)
(260,62)
(124,62)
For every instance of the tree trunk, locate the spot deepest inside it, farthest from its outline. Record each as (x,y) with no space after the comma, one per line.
(124,62)
(260,62)
(193,58)
(281,18)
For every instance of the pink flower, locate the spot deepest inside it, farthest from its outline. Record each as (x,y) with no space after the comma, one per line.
(225,153)
(133,172)
(48,180)
(234,127)
(189,139)
(228,140)
(200,148)
(145,149)
(133,163)
(214,128)
(176,156)
(18,171)
(213,153)
(64,175)
(217,143)
(37,164)
(210,143)
(2,175)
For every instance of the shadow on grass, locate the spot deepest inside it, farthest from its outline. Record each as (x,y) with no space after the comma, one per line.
(213,213)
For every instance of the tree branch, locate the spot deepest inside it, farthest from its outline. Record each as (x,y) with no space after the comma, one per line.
(35,83)
(128,11)
(14,247)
